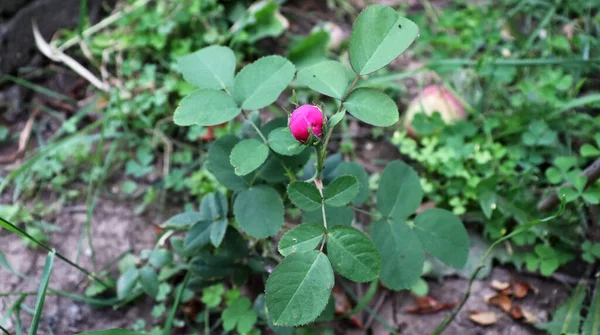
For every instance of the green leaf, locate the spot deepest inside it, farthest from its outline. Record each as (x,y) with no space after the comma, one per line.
(198,236)
(402,255)
(283,143)
(183,220)
(149,281)
(160,257)
(548,266)
(240,314)
(272,171)
(554,175)
(399,194)
(248,155)
(298,289)
(259,211)
(379,36)
(302,238)
(564,163)
(335,216)
(568,192)
(420,289)
(220,166)
(310,49)
(567,317)
(126,283)
(210,267)
(443,235)
(217,232)
(356,170)
(591,196)
(329,78)
(213,295)
(304,195)
(206,108)
(578,182)
(591,325)
(41,296)
(213,206)
(211,67)
(341,191)
(336,118)
(259,84)
(372,106)
(353,254)
(588,150)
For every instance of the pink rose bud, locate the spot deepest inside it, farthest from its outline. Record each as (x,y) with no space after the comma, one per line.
(305,119)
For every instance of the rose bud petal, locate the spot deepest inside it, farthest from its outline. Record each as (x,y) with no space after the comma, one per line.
(434,98)
(305,119)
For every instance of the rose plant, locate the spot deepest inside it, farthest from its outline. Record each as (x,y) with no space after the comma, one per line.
(260,168)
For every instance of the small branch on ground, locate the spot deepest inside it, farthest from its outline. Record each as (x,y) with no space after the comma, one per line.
(592,173)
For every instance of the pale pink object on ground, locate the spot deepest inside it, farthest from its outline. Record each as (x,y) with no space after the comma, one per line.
(434,98)
(303,118)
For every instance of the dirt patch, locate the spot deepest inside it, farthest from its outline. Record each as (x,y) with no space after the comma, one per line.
(116,229)
(551,295)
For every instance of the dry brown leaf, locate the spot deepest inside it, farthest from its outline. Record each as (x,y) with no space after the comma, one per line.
(483,318)
(499,285)
(343,306)
(428,305)
(500,300)
(518,313)
(507,291)
(520,289)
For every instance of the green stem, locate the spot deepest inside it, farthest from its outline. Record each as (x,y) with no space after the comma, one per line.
(207,321)
(330,130)
(364,211)
(4,330)
(255,127)
(521,229)
(171,317)
(10,294)
(512,62)
(289,172)
(319,185)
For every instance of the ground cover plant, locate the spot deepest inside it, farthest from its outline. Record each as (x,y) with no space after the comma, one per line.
(285,211)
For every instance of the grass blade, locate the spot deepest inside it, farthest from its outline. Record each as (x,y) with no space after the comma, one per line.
(48,150)
(5,264)
(11,227)
(591,325)
(115,331)
(169,322)
(39,305)
(4,330)
(581,101)
(366,299)
(38,88)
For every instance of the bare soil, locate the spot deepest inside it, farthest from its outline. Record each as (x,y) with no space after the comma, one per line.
(116,230)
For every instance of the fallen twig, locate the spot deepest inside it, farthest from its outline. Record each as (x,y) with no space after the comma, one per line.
(58,56)
(592,173)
